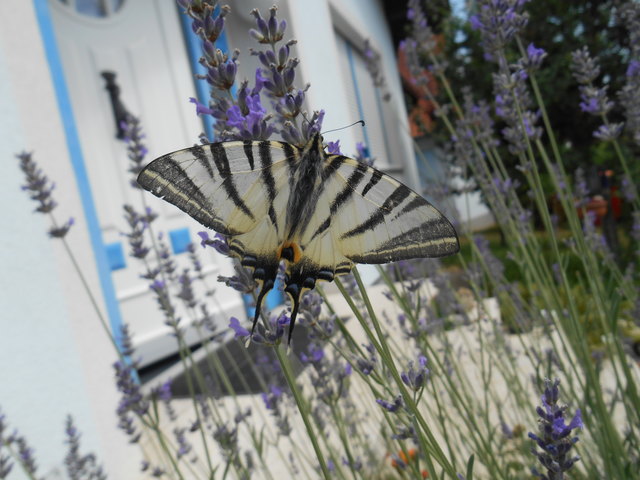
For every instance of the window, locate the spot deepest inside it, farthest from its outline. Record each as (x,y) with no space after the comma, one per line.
(365,103)
(94,8)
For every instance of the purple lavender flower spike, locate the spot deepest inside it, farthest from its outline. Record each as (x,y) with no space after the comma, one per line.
(498,21)
(78,465)
(242,281)
(218,242)
(61,230)
(629,94)
(239,330)
(274,402)
(534,57)
(200,107)
(334,148)
(38,185)
(373,62)
(554,438)
(390,406)
(136,149)
(415,378)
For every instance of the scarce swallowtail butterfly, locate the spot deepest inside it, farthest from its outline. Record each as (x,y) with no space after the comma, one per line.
(320,213)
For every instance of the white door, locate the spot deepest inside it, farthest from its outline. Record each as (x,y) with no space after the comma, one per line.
(142,42)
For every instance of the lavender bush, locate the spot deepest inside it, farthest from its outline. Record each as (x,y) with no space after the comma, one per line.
(429,382)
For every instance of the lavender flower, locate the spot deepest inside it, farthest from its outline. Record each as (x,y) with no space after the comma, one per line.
(405,432)
(422,37)
(273,333)
(391,406)
(136,149)
(184,447)
(584,67)
(38,185)
(354,465)
(608,133)
(219,242)
(125,342)
(242,281)
(138,225)
(334,148)
(554,435)
(277,77)
(329,375)
(132,401)
(594,100)
(240,331)
(186,293)
(512,103)
(415,378)
(6,465)
(25,454)
(534,57)
(161,291)
(79,467)
(268,31)
(60,231)
(164,394)
(366,365)
(373,62)
(274,401)
(249,118)
(498,21)
(40,189)
(629,95)
(227,439)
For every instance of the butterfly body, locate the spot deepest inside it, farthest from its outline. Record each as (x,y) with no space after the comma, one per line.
(319,213)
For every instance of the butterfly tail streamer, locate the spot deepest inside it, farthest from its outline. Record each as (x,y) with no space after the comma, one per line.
(267,285)
(295,299)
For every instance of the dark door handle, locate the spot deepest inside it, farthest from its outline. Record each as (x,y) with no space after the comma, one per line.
(120,112)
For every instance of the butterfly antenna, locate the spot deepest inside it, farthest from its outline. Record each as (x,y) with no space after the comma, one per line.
(361,122)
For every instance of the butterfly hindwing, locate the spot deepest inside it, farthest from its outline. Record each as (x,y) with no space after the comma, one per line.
(373,218)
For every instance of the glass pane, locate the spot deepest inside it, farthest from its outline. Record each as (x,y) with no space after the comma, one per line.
(92,8)
(95,8)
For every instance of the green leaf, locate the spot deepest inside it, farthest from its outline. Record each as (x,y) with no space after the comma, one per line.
(469,475)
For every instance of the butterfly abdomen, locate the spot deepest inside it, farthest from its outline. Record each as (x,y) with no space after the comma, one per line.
(304,196)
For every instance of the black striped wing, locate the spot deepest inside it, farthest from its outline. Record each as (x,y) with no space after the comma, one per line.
(341,213)
(370,217)
(239,189)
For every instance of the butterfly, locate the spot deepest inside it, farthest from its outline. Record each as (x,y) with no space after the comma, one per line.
(319,213)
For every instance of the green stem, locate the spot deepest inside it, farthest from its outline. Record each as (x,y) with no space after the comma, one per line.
(302,408)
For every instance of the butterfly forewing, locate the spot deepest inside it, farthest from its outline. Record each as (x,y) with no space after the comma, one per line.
(230,187)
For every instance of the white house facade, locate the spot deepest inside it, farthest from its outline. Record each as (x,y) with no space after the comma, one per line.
(55,359)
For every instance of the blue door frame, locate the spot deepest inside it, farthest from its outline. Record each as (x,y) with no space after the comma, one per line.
(77,161)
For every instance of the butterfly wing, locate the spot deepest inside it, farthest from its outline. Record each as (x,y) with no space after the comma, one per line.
(239,189)
(369,217)
(230,187)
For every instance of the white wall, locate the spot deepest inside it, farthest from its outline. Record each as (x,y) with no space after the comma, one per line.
(54,358)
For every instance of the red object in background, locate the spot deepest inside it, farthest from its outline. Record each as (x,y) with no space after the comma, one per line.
(598,205)
(421,115)
(406,460)
(616,202)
